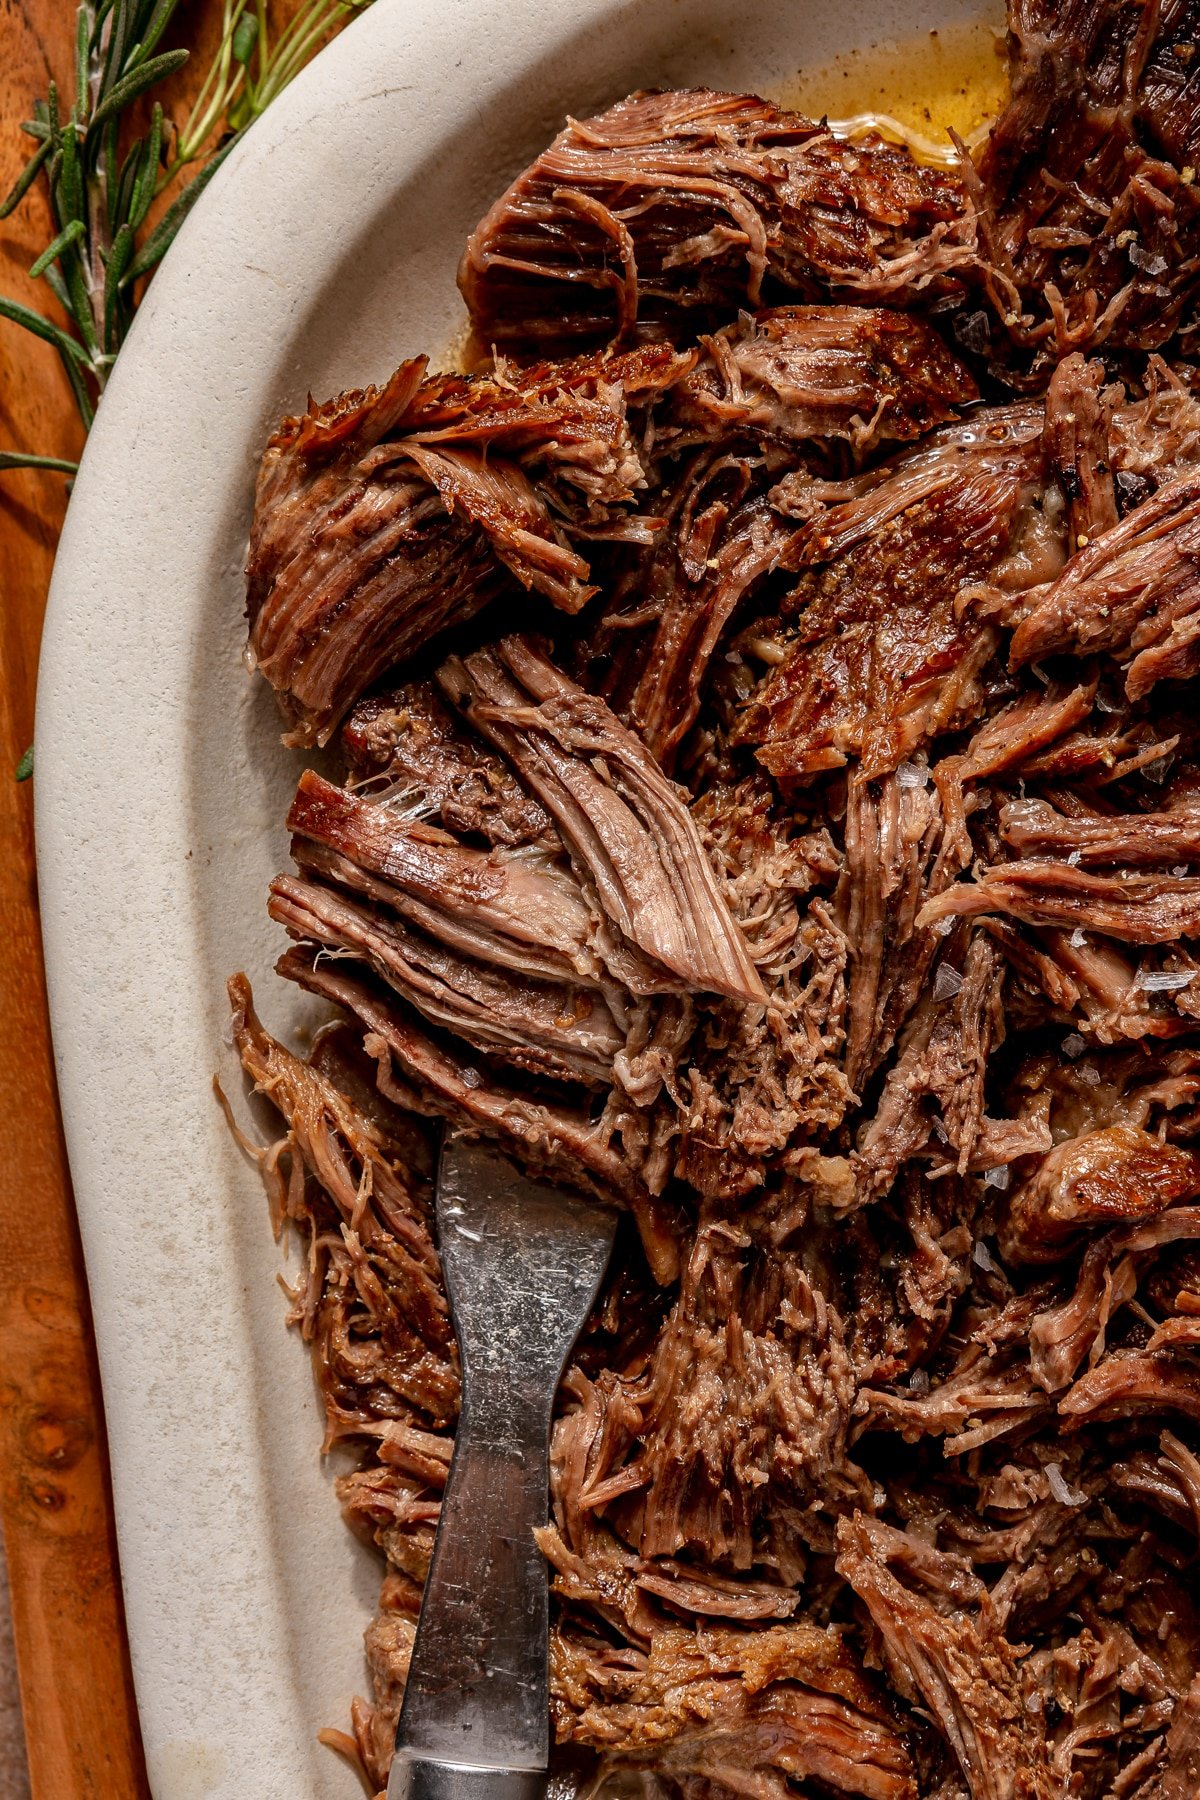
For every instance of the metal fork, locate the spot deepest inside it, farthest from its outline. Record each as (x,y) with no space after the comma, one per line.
(523,1262)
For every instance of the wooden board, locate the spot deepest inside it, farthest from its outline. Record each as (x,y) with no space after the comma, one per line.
(77,1697)
(76,1692)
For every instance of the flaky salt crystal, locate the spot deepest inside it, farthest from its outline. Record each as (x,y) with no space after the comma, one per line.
(974,332)
(1163,983)
(1147,260)
(947,982)
(1061,1489)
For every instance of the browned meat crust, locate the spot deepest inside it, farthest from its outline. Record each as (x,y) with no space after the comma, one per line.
(876,659)
(802,372)
(696,204)
(712,1706)
(386,516)
(803,855)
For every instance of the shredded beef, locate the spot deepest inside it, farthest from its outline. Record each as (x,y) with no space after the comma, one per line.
(719,1705)
(944,1645)
(871,656)
(1090,219)
(799,373)
(763,792)
(1133,593)
(698,203)
(388,515)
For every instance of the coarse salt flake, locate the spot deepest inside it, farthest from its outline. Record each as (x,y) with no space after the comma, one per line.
(1148,261)
(981,1256)
(947,982)
(1073,1045)
(974,332)
(912,775)
(1078,938)
(1164,981)
(1063,1492)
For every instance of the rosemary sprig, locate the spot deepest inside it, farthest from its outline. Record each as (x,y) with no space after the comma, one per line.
(102,185)
(250,69)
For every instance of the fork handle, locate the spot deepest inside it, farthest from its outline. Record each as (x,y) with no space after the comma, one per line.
(419,1778)
(477,1698)
(522,1265)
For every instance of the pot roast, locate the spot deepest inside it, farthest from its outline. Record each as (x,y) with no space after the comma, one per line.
(763,791)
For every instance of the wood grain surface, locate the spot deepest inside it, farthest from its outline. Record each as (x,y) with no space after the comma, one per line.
(68,1627)
(77,1698)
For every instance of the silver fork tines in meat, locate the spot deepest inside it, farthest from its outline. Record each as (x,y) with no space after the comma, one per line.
(522,1262)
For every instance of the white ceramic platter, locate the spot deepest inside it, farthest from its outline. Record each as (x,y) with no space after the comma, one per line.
(323,252)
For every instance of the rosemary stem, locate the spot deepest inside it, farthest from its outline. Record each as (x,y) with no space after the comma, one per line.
(98,242)
(99,245)
(213,101)
(309,30)
(96,56)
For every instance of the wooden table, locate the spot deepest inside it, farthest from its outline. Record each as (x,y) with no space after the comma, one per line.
(77,1696)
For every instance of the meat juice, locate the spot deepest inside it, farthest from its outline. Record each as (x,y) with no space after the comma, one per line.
(916,89)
